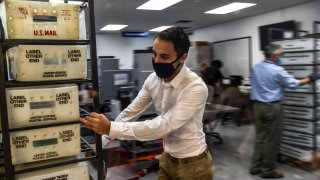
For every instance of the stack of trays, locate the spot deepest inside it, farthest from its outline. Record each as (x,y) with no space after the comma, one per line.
(39,105)
(301,107)
(44,106)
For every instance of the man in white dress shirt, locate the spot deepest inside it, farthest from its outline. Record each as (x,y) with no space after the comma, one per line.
(179,97)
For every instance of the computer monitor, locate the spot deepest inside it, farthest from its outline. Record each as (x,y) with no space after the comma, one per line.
(121,79)
(111,81)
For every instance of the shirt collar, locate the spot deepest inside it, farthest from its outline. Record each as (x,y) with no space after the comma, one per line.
(176,81)
(269,61)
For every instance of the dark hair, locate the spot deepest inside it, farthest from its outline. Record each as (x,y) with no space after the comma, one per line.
(178,37)
(216,63)
(271,49)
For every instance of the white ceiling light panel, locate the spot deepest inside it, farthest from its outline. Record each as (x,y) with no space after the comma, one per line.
(161,28)
(113,27)
(157,4)
(230,8)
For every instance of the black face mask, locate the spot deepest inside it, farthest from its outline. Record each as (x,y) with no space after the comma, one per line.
(164,70)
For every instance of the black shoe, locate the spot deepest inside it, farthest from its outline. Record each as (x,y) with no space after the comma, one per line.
(273,175)
(255,172)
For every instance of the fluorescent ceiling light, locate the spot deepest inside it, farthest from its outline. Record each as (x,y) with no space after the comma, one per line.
(69,2)
(158,4)
(230,8)
(113,27)
(161,28)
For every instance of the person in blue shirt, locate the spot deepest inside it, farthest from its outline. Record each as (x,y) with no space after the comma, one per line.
(268,82)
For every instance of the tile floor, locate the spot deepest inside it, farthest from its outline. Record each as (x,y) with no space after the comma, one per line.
(231,158)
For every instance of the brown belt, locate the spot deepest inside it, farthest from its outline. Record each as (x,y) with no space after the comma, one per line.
(188,159)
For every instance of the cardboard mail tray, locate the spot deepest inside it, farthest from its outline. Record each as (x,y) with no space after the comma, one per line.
(46,143)
(45,63)
(77,171)
(306,44)
(301,58)
(38,105)
(300,99)
(40,20)
(302,126)
(299,71)
(300,139)
(300,112)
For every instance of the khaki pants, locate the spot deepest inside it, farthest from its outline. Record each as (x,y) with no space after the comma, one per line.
(268,117)
(201,169)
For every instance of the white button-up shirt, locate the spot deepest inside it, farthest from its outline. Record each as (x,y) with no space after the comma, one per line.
(179,104)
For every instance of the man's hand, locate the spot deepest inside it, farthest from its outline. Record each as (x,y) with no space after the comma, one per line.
(97,123)
(313,77)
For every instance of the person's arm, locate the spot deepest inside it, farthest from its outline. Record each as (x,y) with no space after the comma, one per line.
(101,124)
(304,81)
(190,103)
(288,81)
(138,105)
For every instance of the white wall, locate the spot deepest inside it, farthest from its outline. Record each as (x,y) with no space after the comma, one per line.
(122,48)
(304,13)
